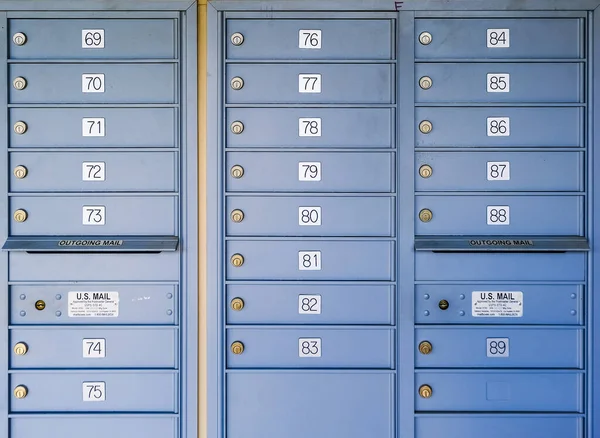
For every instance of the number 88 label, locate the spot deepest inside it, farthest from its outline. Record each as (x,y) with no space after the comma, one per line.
(498,215)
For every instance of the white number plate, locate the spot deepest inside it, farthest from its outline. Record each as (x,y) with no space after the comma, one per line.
(94,348)
(310,83)
(309,304)
(309,39)
(498,170)
(498,83)
(497,347)
(93,171)
(498,38)
(498,126)
(309,215)
(498,215)
(309,127)
(94,391)
(309,347)
(92,38)
(92,83)
(309,171)
(309,260)
(93,127)
(94,214)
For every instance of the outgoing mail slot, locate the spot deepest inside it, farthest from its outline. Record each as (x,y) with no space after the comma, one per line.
(358,172)
(114,426)
(501,391)
(499,347)
(363,401)
(312,348)
(508,304)
(105,38)
(94,171)
(568,266)
(310,260)
(126,304)
(311,39)
(95,215)
(488,83)
(94,127)
(522,38)
(90,391)
(310,83)
(93,347)
(501,215)
(311,127)
(94,83)
(500,171)
(500,126)
(314,216)
(310,304)
(498,426)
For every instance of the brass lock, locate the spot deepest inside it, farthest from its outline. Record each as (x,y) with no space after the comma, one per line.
(425,82)
(425,391)
(237,347)
(20,128)
(237,39)
(19,83)
(425,127)
(425,215)
(237,304)
(237,260)
(20,391)
(20,348)
(40,305)
(425,38)
(237,83)
(20,215)
(237,171)
(443,304)
(425,171)
(237,216)
(19,38)
(20,172)
(237,127)
(425,347)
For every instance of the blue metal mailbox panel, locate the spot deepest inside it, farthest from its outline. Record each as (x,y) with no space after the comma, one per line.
(526,304)
(276,404)
(95,171)
(80,267)
(521,127)
(501,391)
(65,38)
(108,391)
(95,347)
(95,215)
(498,426)
(137,304)
(314,216)
(291,39)
(501,215)
(501,171)
(499,267)
(283,347)
(294,172)
(311,260)
(312,304)
(500,347)
(114,426)
(286,127)
(506,82)
(94,83)
(311,83)
(467,38)
(122,127)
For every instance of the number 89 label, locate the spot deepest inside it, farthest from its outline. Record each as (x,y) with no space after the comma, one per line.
(497,347)
(498,215)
